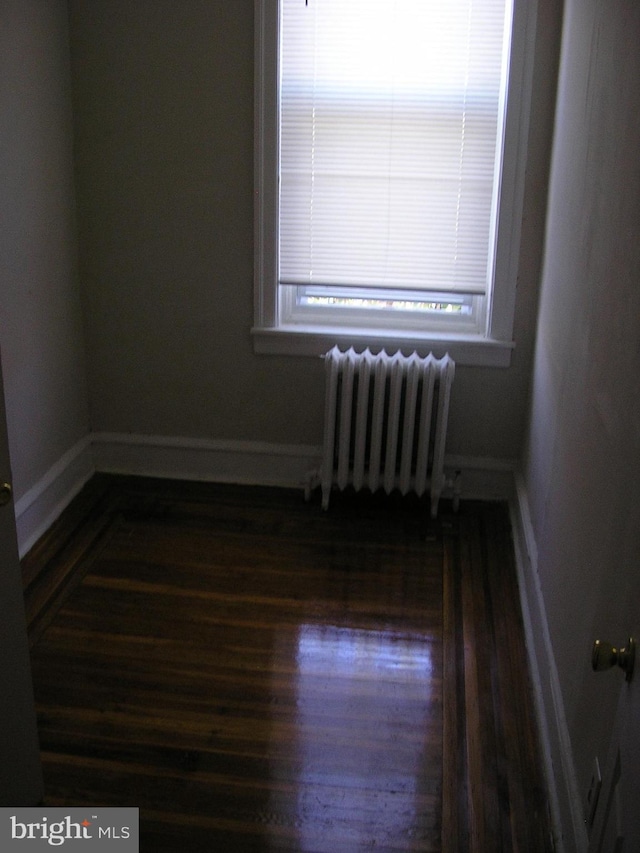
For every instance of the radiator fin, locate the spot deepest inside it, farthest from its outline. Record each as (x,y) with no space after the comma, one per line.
(385,422)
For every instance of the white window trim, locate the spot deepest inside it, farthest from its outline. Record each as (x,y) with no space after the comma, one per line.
(491,349)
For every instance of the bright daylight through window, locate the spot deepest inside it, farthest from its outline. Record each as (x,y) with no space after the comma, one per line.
(386,173)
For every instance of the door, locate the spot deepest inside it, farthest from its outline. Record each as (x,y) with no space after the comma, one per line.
(20,772)
(616,827)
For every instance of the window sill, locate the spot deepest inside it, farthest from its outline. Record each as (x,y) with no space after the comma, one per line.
(466,350)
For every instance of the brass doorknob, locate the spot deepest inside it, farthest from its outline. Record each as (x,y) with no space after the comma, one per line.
(604,656)
(5,493)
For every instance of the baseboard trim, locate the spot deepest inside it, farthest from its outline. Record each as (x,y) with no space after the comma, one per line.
(180,458)
(564,799)
(264,464)
(44,502)
(243,462)
(481,477)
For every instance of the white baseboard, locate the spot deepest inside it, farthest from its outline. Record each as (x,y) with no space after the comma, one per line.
(247,462)
(262,463)
(41,505)
(565,802)
(482,478)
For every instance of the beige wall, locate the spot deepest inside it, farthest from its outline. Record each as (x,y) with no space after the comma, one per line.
(40,319)
(584,437)
(163,111)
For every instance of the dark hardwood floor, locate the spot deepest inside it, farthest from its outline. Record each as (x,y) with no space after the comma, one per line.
(255,674)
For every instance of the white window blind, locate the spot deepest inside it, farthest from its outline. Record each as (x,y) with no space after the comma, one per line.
(390,142)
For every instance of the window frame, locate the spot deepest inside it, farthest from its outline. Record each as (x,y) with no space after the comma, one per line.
(490,346)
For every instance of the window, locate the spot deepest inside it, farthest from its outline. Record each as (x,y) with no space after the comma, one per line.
(389,169)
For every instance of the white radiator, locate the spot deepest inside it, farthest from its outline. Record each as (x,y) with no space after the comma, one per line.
(385,422)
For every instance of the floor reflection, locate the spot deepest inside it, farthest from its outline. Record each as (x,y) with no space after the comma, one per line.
(366,722)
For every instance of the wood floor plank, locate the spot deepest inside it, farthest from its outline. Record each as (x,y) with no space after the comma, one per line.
(529,824)
(255,674)
(455,803)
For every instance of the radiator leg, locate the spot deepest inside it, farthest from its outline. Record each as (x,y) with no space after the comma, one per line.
(457,490)
(312,481)
(434,505)
(326,494)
